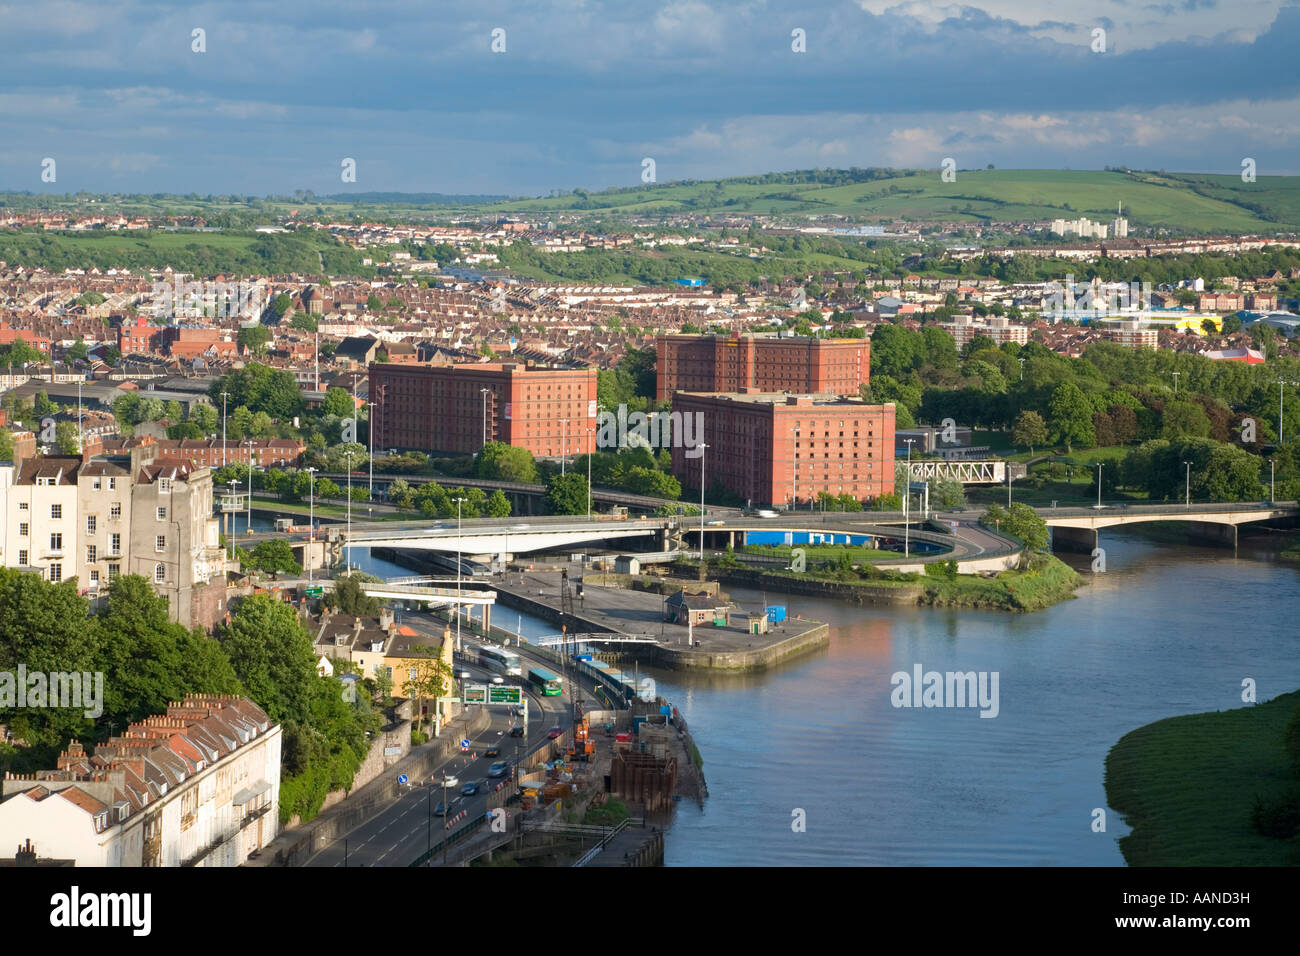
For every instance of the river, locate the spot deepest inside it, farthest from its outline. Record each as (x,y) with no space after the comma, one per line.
(1166,630)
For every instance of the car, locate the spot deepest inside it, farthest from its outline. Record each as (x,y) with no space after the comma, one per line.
(440,810)
(493,751)
(517,730)
(469,789)
(464,675)
(498,769)
(498,679)
(958,510)
(766,513)
(554,732)
(518,527)
(714,524)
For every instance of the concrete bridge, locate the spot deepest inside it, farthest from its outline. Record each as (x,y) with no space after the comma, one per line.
(1078,529)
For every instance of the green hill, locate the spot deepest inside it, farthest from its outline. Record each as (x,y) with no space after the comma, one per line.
(1180,202)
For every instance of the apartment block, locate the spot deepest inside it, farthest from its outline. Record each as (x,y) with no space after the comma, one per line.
(774,448)
(455,408)
(1000,329)
(1134,334)
(717,363)
(196,786)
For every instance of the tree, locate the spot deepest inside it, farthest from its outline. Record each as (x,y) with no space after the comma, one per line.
(1020,521)
(498,505)
(567,494)
(42,404)
(431,680)
(271,653)
(204,417)
(273,556)
(947,494)
(304,321)
(1029,430)
(68,438)
(254,338)
(349,598)
(499,461)
(280,304)
(1071,415)
(6,445)
(79,350)
(338,402)
(1185,420)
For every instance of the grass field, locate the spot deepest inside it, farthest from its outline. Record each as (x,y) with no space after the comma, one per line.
(822,552)
(1186,785)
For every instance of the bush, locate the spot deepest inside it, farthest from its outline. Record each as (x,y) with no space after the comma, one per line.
(1278,818)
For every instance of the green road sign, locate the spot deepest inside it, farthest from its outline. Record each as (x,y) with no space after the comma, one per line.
(501,694)
(476,694)
(315,591)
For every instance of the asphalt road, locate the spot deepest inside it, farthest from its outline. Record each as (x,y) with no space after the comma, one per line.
(401,833)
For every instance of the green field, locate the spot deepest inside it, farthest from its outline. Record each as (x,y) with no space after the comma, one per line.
(1186,785)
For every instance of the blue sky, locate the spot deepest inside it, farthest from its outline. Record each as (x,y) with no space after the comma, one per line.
(586,89)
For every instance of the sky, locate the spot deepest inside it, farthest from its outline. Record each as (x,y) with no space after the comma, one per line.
(578,93)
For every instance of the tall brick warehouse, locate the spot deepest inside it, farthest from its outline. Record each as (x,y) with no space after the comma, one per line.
(443,409)
(773,448)
(719,363)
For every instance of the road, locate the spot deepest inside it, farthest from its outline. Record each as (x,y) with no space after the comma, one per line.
(403,831)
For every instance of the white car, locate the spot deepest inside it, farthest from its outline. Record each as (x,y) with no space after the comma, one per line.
(498,679)
(464,675)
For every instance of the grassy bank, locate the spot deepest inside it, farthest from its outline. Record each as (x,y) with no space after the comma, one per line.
(1187,786)
(1044,582)
(822,552)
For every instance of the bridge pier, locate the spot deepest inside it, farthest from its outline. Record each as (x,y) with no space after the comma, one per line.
(1213,533)
(1080,540)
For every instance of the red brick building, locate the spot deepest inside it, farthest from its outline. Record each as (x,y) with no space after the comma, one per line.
(716,363)
(781,449)
(444,409)
(208,453)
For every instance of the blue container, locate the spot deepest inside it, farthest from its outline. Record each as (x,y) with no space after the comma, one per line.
(776,613)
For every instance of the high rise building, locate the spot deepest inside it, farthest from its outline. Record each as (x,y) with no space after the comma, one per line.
(719,363)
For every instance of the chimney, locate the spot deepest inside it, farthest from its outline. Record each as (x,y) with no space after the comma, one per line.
(26,856)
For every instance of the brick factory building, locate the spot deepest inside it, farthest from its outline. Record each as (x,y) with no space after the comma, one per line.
(444,409)
(757,439)
(718,363)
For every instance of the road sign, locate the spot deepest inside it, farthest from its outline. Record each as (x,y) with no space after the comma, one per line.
(402,778)
(314,591)
(476,694)
(505,695)
(464,744)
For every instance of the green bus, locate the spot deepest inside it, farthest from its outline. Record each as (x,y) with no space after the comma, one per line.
(545,681)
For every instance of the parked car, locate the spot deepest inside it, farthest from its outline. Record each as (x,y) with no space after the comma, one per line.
(498,769)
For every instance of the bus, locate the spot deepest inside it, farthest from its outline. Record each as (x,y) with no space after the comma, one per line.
(500,661)
(545,681)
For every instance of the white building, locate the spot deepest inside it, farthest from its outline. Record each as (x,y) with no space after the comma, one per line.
(198,786)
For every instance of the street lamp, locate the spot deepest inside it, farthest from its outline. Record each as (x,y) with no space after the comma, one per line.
(907,495)
(1099,464)
(1189,483)
(249,529)
(1176,374)
(1272,481)
(224,396)
(484,392)
(564,441)
(459,502)
(348,553)
(370,430)
(233,501)
(702,448)
(311,519)
(591,448)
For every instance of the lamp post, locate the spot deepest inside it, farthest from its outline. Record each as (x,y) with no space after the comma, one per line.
(564,440)
(1188,488)
(81,422)
(224,396)
(249,529)
(347,553)
(484,393)
(1022,369)
(311,519)
(591,448)
(1176,374)
(459,502)
(1272,481)
(235,502)
(1099,464)
(907,496)
(702,448)
(370,433)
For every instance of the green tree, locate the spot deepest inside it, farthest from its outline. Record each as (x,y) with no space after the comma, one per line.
(499,461)
(498,505)
(304,321)
(273,556)
(271,653)
(1021,521)
(349,598)
(280,304)
(338,402)
(1184,420)
(1029,430)
(1071,416)
(567,494)
(78,350)
(68,438)
(6,445)
(254,338)
(204,417)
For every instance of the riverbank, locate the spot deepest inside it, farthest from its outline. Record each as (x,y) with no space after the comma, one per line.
(1188,785)
(1044,582)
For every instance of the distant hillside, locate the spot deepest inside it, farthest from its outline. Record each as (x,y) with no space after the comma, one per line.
(1180,202)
